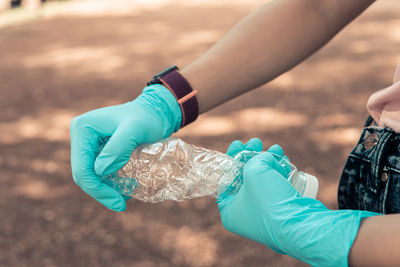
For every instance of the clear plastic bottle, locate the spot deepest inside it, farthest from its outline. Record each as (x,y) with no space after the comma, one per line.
(174,170)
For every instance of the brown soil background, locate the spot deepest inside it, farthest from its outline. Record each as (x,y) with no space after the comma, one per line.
(78,57)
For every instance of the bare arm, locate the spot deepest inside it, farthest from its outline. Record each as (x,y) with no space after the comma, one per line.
(265,44)
(377,242)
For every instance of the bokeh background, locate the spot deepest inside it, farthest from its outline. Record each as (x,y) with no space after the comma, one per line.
(65,58)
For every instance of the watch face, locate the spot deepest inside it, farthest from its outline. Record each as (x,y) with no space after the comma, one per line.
(156,78)
(166,71)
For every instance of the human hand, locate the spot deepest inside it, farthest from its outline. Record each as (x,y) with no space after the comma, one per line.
(383,105)
(237,146)
(268,210)
(153,115)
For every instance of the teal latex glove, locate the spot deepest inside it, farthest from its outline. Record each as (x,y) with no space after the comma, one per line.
(153,115)
(237,146)
(268,210)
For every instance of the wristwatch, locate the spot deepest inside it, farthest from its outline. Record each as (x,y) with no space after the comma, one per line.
(181,89)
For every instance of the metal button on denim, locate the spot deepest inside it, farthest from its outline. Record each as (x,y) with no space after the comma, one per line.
(384,177)
(370,141)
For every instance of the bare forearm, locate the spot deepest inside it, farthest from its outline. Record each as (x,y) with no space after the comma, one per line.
(265,44)
(377,242)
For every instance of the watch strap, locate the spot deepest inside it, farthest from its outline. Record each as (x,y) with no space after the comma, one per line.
(184,94)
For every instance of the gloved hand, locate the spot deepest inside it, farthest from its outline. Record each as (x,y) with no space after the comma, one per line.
(268,210)
(237,146)
(153,115)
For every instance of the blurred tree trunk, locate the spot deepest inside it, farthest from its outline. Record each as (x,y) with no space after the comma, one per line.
(31,4)
(5,4)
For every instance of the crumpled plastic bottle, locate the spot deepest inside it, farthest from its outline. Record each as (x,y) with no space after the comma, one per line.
(174,170)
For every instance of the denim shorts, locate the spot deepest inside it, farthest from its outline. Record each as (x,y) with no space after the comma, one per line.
(371,177)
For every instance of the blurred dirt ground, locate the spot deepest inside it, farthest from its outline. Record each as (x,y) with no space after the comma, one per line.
(84,55)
